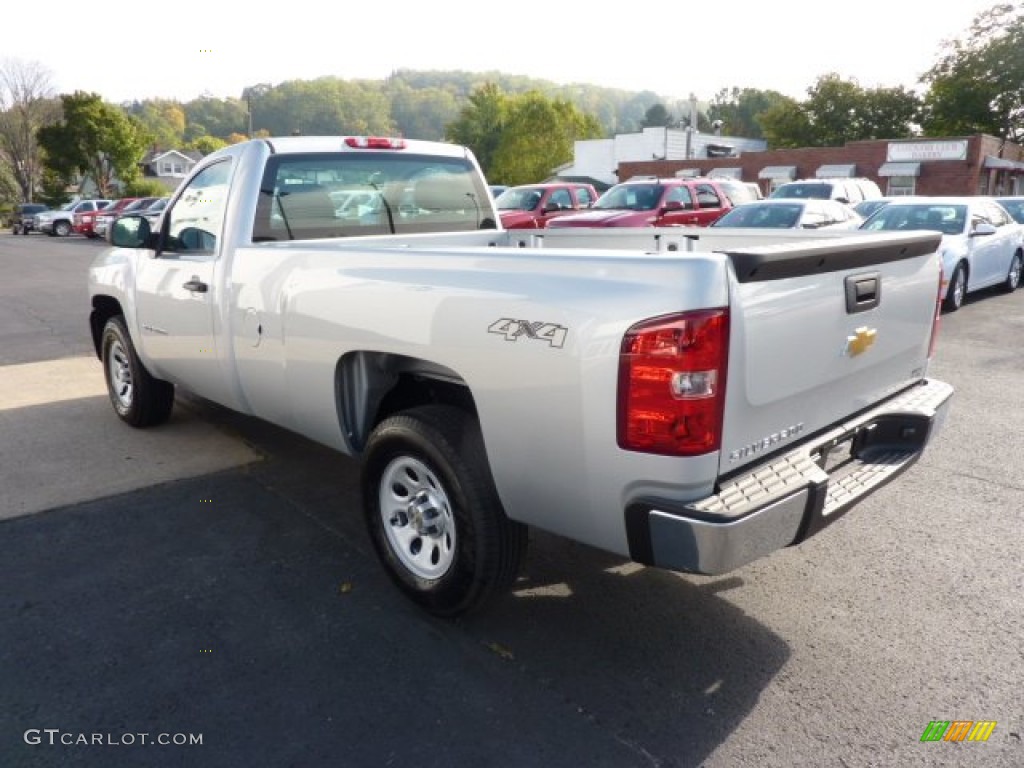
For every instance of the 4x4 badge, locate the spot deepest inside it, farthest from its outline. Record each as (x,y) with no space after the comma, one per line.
(512,330)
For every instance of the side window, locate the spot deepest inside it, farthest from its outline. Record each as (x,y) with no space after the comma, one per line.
(195,220)
(583,197)
(707,197)
(680,194)
(561,199)
(995,215)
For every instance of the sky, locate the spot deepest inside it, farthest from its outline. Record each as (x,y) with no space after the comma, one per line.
(185,49)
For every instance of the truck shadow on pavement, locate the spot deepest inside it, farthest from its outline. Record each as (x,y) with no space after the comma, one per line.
(247,606)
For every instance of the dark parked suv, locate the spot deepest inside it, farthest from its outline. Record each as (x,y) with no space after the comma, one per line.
(21,222)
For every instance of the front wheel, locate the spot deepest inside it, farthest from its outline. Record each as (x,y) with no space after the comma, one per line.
(1012,281)
(61,228)
(137,397)
(956,290)
(433,513)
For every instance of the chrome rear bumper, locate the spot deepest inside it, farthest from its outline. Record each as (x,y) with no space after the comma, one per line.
(792,496)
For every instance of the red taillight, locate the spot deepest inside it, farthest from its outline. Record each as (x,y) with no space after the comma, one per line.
(936,321)
(374,142)
(672,383)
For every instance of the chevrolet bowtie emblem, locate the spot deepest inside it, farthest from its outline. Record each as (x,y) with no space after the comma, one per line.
(861,341)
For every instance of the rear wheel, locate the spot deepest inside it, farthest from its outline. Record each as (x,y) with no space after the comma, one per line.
(433,513)
(956,290)
(137,397)
(1012,281)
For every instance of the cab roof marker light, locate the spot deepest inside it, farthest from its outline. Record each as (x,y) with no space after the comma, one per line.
(374,142)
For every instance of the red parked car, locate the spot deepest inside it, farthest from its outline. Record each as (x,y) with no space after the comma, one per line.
(108,214)
(83,221)
(652,202)
(531,206)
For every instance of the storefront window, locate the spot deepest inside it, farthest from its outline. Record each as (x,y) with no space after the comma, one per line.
(901,185)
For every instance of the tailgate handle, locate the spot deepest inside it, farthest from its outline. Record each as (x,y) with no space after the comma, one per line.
(863,292)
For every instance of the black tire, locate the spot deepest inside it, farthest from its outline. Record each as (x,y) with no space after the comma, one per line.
(61,228)
(1013,276)
(433,513)
(14,229)
(138,399)
(957,290)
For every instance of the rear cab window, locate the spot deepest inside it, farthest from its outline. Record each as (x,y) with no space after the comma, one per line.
(399,194)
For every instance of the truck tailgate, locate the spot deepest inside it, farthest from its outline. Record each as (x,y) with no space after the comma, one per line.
(820,333)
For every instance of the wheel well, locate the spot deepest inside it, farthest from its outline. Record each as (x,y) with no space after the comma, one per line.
(370,386)
(103,308)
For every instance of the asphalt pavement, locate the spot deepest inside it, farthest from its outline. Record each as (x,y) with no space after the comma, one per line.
(209,584)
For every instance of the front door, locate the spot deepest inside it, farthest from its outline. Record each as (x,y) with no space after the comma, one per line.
(177,289)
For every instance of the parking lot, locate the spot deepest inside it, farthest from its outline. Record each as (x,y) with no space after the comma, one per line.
(212,578)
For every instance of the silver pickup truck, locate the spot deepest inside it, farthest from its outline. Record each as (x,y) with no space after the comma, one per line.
(691,399)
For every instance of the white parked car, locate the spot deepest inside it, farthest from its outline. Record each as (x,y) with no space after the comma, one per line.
(849,191)
(791,214)
(981,245)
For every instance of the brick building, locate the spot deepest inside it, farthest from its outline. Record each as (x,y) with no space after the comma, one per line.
(972,165)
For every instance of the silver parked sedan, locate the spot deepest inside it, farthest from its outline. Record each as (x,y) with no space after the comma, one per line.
(785,213)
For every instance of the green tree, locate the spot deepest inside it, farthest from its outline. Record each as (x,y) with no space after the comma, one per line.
(740,110)
(480,123)
(27,103)
(93,138)
(835,109)
(785,125)
(838,111)
(977,86)
(538,137)
(206,144)
(327,106)
(890,113)
(162,121)
(211,116)
(142,187)
(656,116)
(424,113)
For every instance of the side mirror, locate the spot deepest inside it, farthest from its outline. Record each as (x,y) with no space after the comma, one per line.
(129,232)
(982,228)
(672,205)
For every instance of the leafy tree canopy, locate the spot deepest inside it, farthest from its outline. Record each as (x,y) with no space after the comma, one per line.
(520,138)
(838,111)
(93,138)
(977,86)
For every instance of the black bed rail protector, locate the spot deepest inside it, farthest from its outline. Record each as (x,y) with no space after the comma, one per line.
(779,262)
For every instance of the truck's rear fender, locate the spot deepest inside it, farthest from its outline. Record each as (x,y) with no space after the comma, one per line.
(370,386)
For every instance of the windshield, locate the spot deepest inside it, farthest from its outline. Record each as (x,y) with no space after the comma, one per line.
(1015,208)
(525,199)
(783,216)
(804,191)
(948,218)
(632,197)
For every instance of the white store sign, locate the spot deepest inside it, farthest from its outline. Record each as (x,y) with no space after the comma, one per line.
(916,151)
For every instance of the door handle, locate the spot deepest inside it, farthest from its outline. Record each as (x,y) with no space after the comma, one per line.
(196,285)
